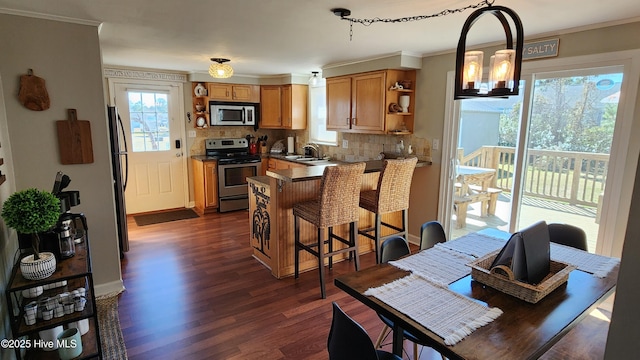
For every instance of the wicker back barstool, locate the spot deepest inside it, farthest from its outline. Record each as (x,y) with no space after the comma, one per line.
(392,194)
(337,204)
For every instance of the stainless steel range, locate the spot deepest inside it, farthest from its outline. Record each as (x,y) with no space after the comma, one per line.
(235,164)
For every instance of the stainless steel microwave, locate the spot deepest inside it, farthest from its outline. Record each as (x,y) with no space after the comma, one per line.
(244,114)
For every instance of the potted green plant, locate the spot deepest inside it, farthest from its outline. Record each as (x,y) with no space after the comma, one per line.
(33,211)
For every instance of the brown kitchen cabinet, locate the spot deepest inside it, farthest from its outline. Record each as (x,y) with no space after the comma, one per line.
(234,92)
(359,103)
(205,185)
(279,164)
(283,106)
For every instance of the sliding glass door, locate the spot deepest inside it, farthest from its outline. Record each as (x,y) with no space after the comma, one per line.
(543,155)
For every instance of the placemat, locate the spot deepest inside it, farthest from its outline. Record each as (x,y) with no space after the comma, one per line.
(476,245)
(598,265)
(449,315)
(438,264)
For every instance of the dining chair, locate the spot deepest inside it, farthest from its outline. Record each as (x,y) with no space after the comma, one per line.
(568,235)
(348,340)
(394,248)
(391,195)
(336,204)
(431,233)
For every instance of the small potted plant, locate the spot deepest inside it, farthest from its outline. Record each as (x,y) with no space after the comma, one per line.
(30,212)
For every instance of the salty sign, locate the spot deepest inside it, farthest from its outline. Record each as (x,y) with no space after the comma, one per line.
(540,49)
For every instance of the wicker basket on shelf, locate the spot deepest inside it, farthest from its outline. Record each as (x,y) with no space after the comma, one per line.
(558,275)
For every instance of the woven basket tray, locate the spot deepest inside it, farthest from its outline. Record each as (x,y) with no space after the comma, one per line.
(558,275)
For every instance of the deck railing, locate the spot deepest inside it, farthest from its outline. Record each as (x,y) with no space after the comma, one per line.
(577,178)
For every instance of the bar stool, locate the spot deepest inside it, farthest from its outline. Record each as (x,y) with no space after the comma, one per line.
(337,204)
(392,194)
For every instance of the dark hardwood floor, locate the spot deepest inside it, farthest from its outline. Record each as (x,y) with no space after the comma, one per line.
(193,291)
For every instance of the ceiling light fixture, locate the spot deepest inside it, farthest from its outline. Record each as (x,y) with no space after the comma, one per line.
(313,80)
(219,69)
(504,65)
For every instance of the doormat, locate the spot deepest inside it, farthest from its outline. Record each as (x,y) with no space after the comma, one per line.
(165,216)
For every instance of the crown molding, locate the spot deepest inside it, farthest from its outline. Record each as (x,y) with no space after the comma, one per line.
(49,17)
(143,75)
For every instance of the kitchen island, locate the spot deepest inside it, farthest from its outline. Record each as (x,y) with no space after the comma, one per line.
(271,200)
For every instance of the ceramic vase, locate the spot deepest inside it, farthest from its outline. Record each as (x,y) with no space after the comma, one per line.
(404,103)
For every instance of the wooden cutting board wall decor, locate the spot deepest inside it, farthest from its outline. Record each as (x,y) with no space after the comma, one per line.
(33,92)
(74,140)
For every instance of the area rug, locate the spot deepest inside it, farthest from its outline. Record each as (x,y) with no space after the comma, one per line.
(113,346)
(165,216)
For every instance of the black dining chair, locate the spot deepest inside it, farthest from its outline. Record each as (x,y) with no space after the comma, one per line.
(431,233)
(568,235)
(348,340)
(394,248)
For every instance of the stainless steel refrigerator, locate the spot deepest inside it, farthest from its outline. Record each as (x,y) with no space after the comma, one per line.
(120,173)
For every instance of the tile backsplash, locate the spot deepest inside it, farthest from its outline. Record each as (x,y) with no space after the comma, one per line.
(361,147)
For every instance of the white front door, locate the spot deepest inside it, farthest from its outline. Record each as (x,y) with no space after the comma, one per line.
(151,119)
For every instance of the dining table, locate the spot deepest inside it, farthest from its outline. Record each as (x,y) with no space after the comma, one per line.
(518,329)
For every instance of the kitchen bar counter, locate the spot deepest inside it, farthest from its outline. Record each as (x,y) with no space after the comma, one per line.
(315,172)
(271,200)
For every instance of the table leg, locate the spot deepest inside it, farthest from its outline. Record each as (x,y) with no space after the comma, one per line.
(398,339)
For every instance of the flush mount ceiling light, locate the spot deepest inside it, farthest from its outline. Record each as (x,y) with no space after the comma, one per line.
(504,65)
(219,69)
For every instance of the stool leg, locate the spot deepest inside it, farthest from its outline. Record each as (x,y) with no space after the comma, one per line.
(405,221)
(353,236)
(330,239)
(296,227)
(321,263)
(376,234)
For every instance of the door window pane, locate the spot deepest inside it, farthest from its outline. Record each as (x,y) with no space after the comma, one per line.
(149,114)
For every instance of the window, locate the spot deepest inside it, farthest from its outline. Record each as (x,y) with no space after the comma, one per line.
(318,116)
(149,114)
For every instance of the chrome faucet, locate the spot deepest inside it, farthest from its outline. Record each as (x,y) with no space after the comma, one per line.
(315,147)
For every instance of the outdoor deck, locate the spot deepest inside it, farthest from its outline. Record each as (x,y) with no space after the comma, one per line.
(533,210)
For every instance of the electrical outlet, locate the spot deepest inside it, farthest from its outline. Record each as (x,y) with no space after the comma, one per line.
(345,144)
(435,144)
(192,133)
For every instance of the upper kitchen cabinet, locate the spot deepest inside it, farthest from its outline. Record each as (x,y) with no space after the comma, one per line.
(368,102)
(283,106)
(234,92)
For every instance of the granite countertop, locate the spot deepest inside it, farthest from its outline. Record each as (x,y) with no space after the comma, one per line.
(315,172)
(204,158)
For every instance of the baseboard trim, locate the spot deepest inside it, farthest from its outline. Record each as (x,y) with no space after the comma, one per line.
(114,287)
(413,239)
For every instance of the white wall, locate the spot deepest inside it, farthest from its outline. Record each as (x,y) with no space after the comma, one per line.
(624,331)
(68,57)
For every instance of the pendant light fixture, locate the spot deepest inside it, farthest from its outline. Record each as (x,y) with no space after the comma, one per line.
(219,69)
(313,80)
(504,65)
